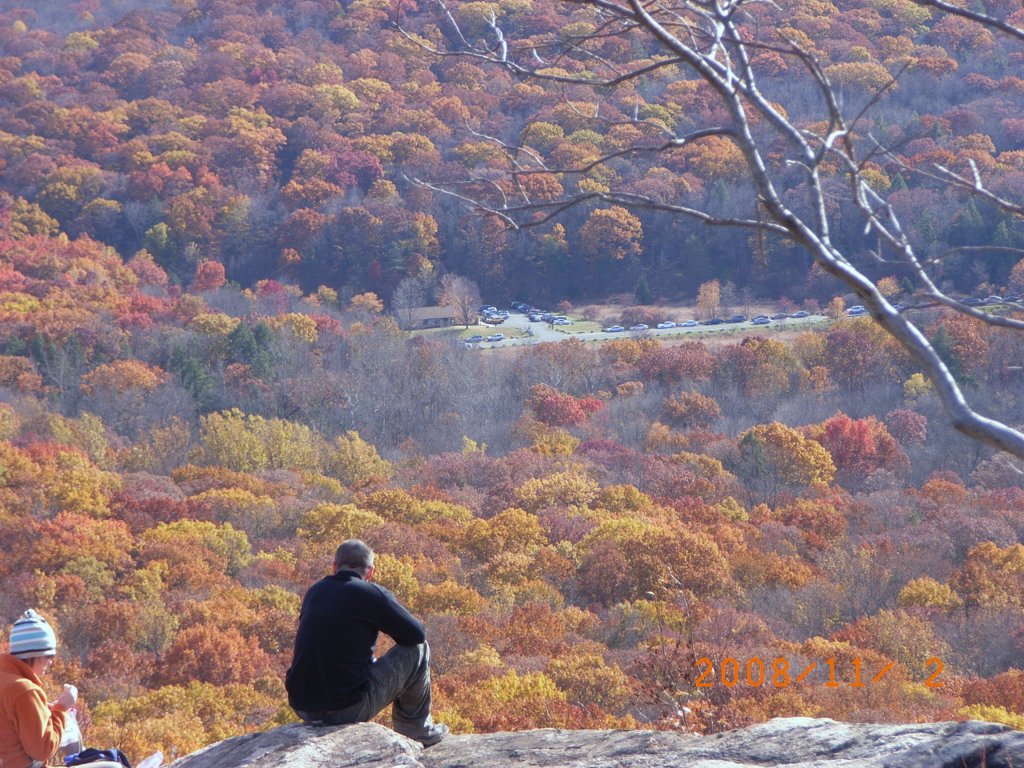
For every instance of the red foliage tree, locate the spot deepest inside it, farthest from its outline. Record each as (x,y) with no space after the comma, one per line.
(213,655)
(209,276)
(859,447)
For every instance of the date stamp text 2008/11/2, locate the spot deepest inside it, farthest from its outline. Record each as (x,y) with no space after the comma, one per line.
(780,673)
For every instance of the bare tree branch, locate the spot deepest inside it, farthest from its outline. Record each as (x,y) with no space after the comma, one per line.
(981,18)
(537,214)
(712,40)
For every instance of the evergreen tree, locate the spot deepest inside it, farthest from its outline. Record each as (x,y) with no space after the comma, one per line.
(251,346)
(193,376)
(241,344)
(642,291)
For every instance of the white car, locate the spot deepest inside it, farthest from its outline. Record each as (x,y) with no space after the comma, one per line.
(689,324)
(667,324)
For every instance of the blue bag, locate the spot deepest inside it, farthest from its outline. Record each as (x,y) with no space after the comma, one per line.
(91,755)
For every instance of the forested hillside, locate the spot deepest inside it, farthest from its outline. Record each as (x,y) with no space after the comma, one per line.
(579,525)
(277,139)
(205,209)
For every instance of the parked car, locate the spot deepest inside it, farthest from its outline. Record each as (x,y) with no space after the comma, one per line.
(856,310)
(689,324)
(614,329)
(475,339)
(713,321)
(993,299)
(1011,297)
(495,337)
(561,321)
(779,316)
(737,319)
(535,318)
(761,321)
(971,301)
(801,313)
(758,317)
(666,324)
(639,327)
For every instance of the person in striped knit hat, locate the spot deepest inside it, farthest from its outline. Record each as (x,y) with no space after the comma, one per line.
(30,727)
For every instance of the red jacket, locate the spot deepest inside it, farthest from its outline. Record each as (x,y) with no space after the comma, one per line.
(29,729)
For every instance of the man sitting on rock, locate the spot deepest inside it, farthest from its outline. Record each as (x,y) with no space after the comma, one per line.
(334,677)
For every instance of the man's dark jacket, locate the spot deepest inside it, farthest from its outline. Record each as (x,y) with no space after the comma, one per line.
(341,616)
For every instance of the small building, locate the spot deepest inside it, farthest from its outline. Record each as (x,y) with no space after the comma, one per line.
(430,317)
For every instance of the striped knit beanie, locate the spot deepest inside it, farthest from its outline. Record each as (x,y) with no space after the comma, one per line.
(31,636)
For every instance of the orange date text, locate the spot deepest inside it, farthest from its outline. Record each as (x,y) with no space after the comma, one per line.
(780,673)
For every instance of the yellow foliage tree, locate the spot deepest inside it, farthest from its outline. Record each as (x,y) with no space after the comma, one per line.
(228,441)
(570,488)
(774,458)
(398,575)
(510,531)
(331,524)
(257,515)
(301,327)
(73,483)
(356,463)
(221,548)
(709,299)
(992,714)
(991,576)
(179,720)
(86,432)
(926,592)
(512,699)
(248,443)
(366,302)
(916,386)
(449,598)
(122,375)
(588,680)
(215,323)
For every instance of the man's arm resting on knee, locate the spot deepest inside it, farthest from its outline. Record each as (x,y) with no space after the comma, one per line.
(397,622)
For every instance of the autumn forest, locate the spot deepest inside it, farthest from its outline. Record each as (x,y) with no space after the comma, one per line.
(207,208)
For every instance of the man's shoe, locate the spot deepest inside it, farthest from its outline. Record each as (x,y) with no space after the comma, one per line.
(432,735)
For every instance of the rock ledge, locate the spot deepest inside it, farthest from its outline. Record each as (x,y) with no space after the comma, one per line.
(796,742)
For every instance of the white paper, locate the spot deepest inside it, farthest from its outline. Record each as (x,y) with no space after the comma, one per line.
(72,734)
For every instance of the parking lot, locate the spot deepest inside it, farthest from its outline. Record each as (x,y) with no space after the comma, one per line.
(534,332)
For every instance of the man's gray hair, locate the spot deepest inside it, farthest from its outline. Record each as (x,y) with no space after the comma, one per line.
(355,555)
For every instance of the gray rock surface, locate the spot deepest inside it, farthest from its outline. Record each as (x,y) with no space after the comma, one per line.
(796,742)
